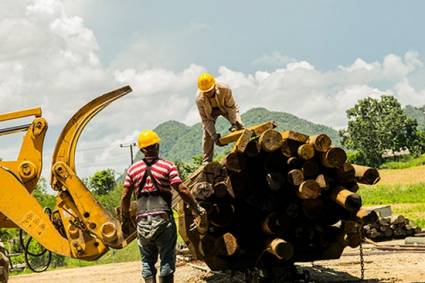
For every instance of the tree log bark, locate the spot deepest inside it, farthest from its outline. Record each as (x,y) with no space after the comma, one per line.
(366,175)
(345,198)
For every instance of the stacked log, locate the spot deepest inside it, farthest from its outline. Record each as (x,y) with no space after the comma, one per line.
(275,199)
(390,228)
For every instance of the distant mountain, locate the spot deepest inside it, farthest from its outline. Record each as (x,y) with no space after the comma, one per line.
(181,142)
(417,113)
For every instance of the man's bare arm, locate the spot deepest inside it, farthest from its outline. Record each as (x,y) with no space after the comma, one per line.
(187,197)
(125,202)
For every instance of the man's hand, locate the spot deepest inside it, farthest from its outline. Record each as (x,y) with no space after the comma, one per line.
(216,139)
(199,210)
(235,127)
(126,225)
(200,222)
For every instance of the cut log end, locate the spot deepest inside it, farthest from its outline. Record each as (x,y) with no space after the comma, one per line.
(270,140)
(281,249)
(320,142)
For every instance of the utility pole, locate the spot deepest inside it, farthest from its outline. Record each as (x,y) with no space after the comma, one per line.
(129,145)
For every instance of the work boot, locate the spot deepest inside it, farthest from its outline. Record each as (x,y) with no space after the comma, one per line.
(150,279)
(167,279)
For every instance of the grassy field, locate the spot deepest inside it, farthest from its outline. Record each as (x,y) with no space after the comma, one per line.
(404,189)
(406,162)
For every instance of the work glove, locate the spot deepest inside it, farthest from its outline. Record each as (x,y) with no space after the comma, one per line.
(235,127)
(216,138)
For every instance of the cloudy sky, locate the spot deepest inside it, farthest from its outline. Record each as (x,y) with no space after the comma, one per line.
(313,59)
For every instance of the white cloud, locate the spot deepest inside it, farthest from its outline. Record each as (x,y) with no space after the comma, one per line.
(273,60)
(50,58)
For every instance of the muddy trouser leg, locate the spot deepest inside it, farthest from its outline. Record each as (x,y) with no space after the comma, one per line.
(166,243)
(149,253)
(208,147)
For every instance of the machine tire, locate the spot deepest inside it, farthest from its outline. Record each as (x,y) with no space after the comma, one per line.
(4,265)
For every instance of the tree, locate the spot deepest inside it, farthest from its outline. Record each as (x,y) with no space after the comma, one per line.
(376,126)
(102,181)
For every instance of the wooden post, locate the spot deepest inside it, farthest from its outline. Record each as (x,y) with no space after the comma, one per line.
(333,158)
(275,181)
(298,137)
(295,177)
(320,142)
(270,140)
(275,223)
(310,169)
(345,173)
(253,148)
(242,142)
(366,175)
(258,130)
(306,151)
(226,245)
(309,189)
(345,198)
(235,162)
(281,249)
(293,162)
(289,147)
(312,208)
(323,181)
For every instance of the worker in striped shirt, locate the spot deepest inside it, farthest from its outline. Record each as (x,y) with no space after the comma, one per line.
(152,180)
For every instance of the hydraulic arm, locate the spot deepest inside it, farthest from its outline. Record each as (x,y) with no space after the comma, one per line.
(78,226)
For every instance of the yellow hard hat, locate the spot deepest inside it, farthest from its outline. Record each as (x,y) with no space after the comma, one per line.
(147,138)
(206,82)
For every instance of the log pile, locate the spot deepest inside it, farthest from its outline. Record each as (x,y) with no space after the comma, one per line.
(275,199)
(389,228)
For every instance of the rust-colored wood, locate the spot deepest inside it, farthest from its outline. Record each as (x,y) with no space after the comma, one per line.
(295,136)
(309,189)
(257,130)
(323,181)
(270,140)
(226,245)
(333,158)
(281,249)
(306,151)
(320,142)
(349,200)
(295,177)
(242,142)
(366,175)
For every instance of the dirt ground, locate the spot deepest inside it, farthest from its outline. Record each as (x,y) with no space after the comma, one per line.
(380,266)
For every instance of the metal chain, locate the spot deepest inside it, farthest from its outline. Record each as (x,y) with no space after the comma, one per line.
(361,256)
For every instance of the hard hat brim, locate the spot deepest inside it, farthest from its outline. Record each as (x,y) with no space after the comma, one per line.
(207,90)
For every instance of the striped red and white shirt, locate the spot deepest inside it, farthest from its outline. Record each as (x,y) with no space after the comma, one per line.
(164,172)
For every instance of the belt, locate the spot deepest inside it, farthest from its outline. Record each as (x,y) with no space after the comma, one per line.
(164,216)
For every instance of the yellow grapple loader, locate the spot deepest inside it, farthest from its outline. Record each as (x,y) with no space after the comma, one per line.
(78,227)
